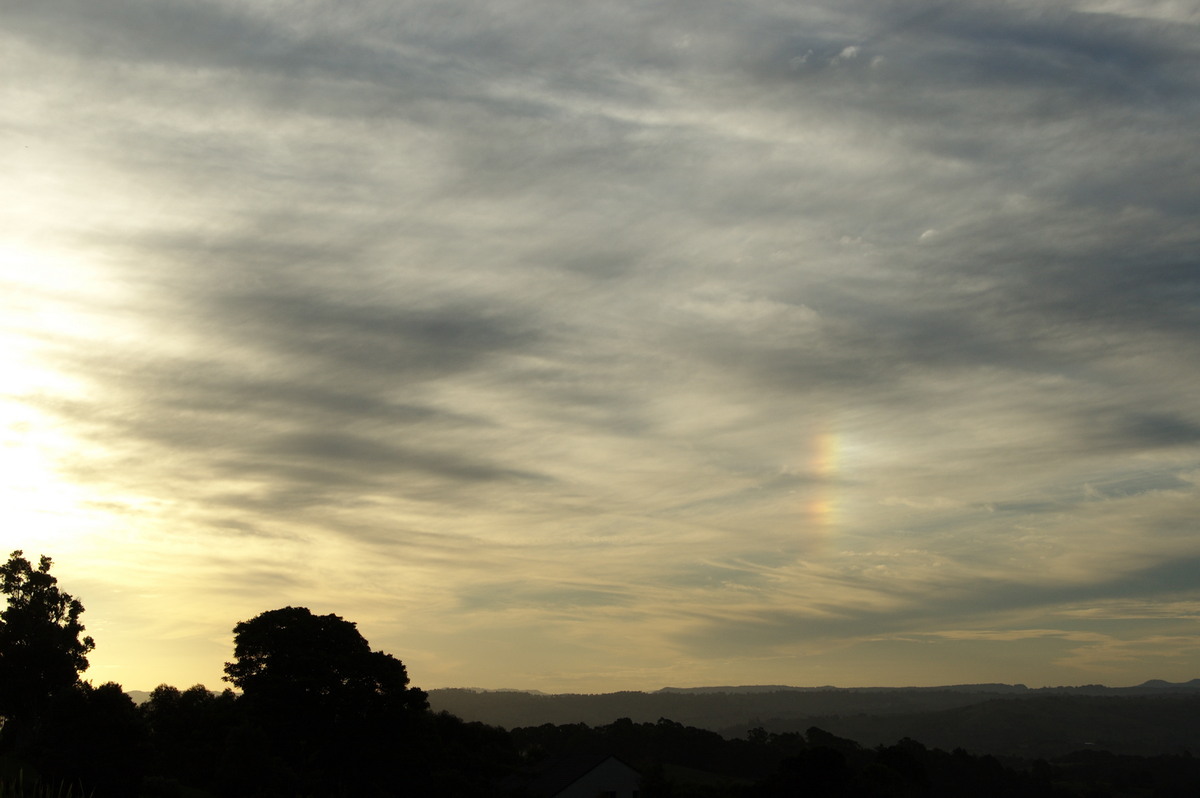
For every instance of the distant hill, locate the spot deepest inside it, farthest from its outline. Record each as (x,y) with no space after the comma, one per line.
(1011,720)
(1159,684)
(776,688)
(1153,685)
(1037,726)
(709,709)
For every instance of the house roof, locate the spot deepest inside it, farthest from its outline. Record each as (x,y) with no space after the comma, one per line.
(561,772)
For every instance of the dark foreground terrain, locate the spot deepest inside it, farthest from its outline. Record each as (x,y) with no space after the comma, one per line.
(320,713)
(194,743)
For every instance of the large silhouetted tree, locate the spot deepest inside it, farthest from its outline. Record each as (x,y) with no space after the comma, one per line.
(41,651)
(337,714)
(292,656)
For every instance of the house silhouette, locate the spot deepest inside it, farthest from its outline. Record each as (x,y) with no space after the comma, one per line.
(594,775)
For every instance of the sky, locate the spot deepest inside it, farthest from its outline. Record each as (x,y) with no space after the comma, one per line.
(614,345)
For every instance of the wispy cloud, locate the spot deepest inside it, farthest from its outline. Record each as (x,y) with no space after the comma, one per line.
(696,342)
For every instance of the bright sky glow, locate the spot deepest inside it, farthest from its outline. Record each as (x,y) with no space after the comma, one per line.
(631,345)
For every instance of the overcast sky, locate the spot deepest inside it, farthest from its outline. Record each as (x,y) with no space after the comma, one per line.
(601,346)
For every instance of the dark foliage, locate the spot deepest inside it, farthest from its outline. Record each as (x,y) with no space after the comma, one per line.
(322,708)
(41,651)
(290,658)
(189,731)
(57,729)
(91,738)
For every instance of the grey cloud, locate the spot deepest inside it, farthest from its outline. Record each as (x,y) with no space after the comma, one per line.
(1097,57)
(945,606)
(218,394)
(192,34)
(271,296)
(388,59)
(406,342)
(497,597)
(713,576)
(374,457)
(409,542)
(395,271)
(1093,53)
(240,528)
(876,347)
(295,470)
(1178,576)
(1141,431)
(221,421)
(1138,484)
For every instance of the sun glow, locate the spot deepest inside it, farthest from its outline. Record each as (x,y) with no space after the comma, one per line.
(37,506)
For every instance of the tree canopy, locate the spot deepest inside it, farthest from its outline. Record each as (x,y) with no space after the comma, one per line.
(41,651)
(291,655)
(333,711)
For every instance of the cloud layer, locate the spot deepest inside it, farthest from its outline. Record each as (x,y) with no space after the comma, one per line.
(602,349)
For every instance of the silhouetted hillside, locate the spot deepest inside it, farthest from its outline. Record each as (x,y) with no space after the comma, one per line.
(1007,720)
(777,688)
(1040,726)
(706,710)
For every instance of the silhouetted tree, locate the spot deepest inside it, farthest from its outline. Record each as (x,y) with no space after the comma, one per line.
(92,737)
(337,713)
(252,764)
(292,656)
(41,651)
(458,759)
(188,731)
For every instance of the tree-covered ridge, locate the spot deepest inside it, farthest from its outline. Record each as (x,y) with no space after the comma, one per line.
(1027,723)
